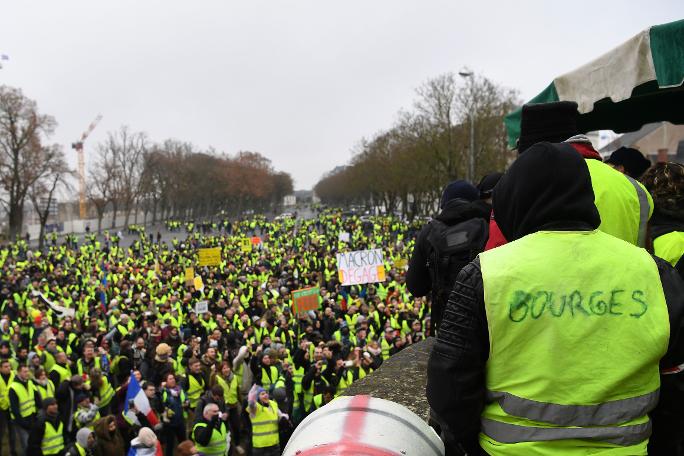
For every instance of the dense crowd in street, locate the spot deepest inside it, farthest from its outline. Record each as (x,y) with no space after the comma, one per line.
(89,323)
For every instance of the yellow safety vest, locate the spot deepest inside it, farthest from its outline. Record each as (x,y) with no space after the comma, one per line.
(624,205)
(195,390)
(385,346)
(670,247)
(64,372)
(265,425)
(45,391)
(26,395)
(230,391)
(4,391)
(217,444)
(53,439)
(106,393)
(562,376)
(266,381)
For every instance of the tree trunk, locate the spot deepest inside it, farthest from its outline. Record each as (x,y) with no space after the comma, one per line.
(16,220)
(100,215)
(115,208)
(41,236)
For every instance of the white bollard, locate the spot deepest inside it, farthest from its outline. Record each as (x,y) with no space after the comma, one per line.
(363,426)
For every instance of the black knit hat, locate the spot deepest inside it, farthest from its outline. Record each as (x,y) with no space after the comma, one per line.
(632,160)
(550,122)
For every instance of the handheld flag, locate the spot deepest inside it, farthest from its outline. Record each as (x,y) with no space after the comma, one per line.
(137,395)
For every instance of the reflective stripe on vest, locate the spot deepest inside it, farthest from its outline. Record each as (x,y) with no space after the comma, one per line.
(217,443)
(53,439)
(644,209)
(617,435)
(265,425)
(559,368)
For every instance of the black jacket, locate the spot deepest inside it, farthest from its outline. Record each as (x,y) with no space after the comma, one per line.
(456,368)
(418,276)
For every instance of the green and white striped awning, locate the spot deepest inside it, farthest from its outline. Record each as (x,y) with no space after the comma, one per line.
(636,83)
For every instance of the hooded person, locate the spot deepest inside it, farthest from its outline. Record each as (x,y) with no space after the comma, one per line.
(84,444)
(109,439)
(446,244)
(529,321)
(623,204)
(145,444)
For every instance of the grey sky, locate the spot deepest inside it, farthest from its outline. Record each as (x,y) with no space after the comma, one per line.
(299,81)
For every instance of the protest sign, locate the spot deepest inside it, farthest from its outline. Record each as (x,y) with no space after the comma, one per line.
(246,245)
(344,237)
(60,311)
(361,266)
(199,285)
(256,240)
(305,299)
(210,257)
(202,307)
(401,263)
(189,276)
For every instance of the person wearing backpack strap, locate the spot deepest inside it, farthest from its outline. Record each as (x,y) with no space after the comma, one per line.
(450,241)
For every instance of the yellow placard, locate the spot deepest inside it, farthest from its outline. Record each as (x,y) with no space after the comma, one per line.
(246,244)
(401,263)
(210,257)
(381,273)
(189,276)
(199,285)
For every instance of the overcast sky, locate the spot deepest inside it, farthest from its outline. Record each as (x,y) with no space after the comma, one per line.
(299,81)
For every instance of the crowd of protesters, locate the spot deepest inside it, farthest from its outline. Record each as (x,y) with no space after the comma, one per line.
(86,320)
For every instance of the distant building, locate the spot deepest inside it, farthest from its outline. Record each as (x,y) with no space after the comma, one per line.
(289,200)
(659,142)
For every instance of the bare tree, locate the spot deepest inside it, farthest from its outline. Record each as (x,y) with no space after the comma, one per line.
(42,191)
(122,153)
(23,158)
(99,188)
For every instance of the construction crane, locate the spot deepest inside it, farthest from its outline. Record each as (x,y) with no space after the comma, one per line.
(78,146)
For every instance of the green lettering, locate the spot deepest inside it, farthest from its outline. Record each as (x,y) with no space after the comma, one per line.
(597,307)
(637,296)
(534,314)
(565,300)
(576,301)
(555,313)
(518,308)
(613,303)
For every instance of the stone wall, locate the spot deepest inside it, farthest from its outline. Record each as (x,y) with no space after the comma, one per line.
(401,379)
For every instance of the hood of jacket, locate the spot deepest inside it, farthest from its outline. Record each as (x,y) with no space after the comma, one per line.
(547,188)
(460,210)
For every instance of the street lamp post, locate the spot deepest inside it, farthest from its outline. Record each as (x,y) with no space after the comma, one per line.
(471,154)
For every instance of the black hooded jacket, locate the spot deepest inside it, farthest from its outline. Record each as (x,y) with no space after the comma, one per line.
(545,189)
(418,276)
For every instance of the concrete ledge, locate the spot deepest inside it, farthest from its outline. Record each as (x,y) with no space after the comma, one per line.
(401,379)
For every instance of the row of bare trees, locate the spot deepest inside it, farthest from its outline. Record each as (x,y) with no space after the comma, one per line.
(31,170)
(174,179)
(406,166)
(129,173)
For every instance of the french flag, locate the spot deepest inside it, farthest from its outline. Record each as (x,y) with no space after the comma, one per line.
(135,393)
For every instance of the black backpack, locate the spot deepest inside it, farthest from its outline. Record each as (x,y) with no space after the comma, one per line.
(453,247)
